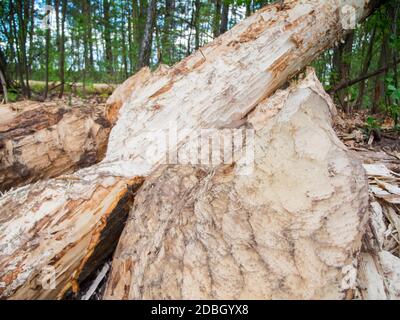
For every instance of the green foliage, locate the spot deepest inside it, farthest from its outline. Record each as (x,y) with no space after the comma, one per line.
(393,109)
(12,96)
(176,33)
(371,125)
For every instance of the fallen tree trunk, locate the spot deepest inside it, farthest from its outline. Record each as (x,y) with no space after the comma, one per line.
(53,234)
(289,230)
(43,140)
(219,84)
(214,88)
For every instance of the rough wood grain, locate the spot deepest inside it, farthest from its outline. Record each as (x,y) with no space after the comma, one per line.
(216,87)
(66,226)
(43,140)
(289,230)
(219,84)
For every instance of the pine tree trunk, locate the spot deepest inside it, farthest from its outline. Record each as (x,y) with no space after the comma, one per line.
(145,48)
(47,59)
(224,18)
(107,36)
(365,68)
(62,48)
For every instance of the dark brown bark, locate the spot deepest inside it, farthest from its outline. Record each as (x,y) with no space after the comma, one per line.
(3,68)
(20,33)
(379,87)
(197,5)
(166,43)
(145,48)
(62,48)
(224,18)
(107,36)
(47,58)
(393,14)
(365,68)
(217,18)
(342,65)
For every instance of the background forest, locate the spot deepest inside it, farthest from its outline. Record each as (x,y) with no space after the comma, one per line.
(62,42)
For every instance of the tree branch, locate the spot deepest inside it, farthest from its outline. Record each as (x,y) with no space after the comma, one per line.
(349,83)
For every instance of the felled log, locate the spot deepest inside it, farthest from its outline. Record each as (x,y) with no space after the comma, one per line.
(288,230)
(43,140)
(214,88)
(53,234)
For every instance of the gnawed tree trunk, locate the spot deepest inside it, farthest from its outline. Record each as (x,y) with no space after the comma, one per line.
(125,91)
(288,230)
(219,84)
(43,140)
(53,234)
(214,88)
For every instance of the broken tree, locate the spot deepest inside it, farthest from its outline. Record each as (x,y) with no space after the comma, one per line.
(288,230)
(53,234)
(216,87)
(43,140)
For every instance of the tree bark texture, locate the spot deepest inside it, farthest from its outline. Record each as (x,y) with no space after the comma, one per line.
(43,140)
(288,230)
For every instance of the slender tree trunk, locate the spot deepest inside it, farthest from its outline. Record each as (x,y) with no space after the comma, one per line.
(217,18)
(31,33)
(22,12)
(166,42)
(197,23)
(379,87)
(342,66)
(136,34)
(4,86)
(130,41)
(107,36)
(248,8)
(365,68)
(224,18)
(90,35)
(47,58)
(393,14)
(4,68)
(62,48)
(145,48)
(124,47)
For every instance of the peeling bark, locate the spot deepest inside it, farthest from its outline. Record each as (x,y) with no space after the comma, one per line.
(40,141)
(223,81)
(289,230)
(64,227)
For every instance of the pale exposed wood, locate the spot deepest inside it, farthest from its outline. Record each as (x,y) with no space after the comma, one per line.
(220,83)
(43,140)
(70,224)
(289,230)
(216,87)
